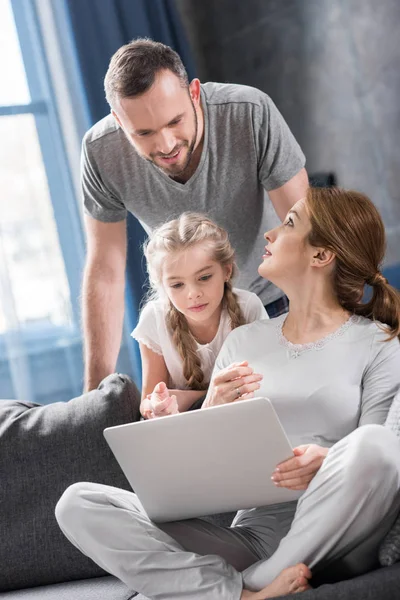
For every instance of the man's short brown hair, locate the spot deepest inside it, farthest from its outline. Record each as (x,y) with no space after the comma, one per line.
(133,68)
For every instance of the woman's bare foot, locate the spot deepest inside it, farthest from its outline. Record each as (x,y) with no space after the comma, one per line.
(291,581)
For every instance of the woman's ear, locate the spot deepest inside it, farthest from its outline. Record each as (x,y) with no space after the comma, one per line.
(322,257)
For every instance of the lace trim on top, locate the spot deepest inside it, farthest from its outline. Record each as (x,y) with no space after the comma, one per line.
(296,349)
(149,343)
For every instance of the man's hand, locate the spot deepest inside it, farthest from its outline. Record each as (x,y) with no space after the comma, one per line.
(297,472)
(159,403)
(236,382)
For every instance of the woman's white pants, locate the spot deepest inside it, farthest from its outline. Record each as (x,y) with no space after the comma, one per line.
(340,519)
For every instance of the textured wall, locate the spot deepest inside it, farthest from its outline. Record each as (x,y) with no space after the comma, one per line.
(333,69)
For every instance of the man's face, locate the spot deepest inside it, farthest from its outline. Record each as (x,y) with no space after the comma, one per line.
(161,124)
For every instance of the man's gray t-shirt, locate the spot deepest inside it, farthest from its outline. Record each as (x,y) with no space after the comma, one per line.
(248,148)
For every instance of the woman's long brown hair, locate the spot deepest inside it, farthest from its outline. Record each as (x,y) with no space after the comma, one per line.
(349,224)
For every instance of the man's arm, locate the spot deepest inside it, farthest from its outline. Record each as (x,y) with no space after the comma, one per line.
(285,196)
(280,159)
(103,298)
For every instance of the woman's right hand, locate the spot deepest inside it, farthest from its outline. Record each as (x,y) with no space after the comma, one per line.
(236,382)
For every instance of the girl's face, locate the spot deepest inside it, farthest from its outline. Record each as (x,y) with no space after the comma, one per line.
(288,255)
(194,282)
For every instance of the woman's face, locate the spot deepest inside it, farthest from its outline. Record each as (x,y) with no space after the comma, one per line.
(288,254)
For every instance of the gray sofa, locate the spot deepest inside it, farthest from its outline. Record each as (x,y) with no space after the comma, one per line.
(45,449)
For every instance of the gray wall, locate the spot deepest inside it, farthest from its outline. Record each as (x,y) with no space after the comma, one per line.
(333,69)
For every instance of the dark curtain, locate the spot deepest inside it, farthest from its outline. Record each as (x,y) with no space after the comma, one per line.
(99,28)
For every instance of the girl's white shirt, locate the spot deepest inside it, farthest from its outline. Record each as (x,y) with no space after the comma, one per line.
(152,331)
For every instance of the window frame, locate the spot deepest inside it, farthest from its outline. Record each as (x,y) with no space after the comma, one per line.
(55,162)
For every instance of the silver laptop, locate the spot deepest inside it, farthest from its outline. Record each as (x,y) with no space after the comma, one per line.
(203,462)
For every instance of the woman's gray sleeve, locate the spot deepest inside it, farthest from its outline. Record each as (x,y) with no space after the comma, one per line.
(381,380)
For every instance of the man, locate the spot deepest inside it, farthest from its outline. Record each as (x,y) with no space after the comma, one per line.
(170,146)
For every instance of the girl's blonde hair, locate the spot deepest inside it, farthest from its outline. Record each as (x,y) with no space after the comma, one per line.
(348,223)
(177,235)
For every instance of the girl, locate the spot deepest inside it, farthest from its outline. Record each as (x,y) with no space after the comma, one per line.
(181,330)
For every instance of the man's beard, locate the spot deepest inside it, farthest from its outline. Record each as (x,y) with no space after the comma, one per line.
(172,172)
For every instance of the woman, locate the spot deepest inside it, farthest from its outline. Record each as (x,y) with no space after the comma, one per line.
(331,368)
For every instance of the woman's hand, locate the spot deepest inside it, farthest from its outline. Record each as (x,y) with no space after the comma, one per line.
(297,472)
(159,403)
(236,382)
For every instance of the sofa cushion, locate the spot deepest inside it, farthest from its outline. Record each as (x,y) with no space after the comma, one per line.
(380,584)
(389,552)
(106,588)
(43,450)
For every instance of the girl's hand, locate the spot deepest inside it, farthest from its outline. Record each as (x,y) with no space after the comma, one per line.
(145,407)
(236,382)
(297,472)
(160,403)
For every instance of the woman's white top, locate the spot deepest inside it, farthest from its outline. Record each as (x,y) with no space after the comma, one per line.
(321,391)
(152,331)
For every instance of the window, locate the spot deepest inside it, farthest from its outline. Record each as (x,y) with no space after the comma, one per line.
(41,239)
(41,235)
